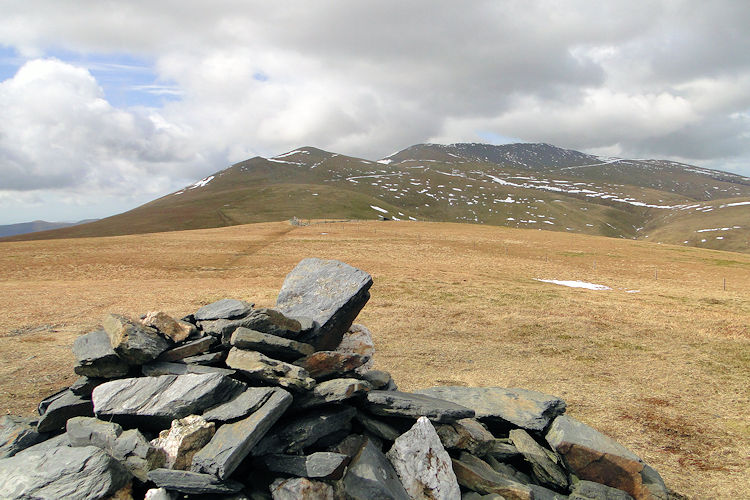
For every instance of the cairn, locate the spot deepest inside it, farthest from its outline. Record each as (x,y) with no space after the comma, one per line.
(237,402)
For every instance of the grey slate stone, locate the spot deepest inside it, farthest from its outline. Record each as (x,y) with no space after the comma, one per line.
(44,403)
(475,474)
(323,465)
(270,345)
(411,405)
(208,359)
(90,431)
(542,493)
(260,368)
(192,483)
(377,378)
(17,434)
(508,470)
(332,391)
(377,427)
(467,434)
(295,435)
(84,386)
(589,490)
(370,475)
(503,451)
(96,358)
(156,368)
(134,451)
(326,364)
(191,348)
(133,342)
(62,472)
(44,446)
(153,402)
(223,309)
(544,463)
(272,321)
(329,292)
(530,410)
(233,442)
(66,406)
(244,404)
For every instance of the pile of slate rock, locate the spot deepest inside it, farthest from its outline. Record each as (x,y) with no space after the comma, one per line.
(236,402)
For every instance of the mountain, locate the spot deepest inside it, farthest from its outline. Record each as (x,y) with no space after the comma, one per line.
(536,186)
(36,226)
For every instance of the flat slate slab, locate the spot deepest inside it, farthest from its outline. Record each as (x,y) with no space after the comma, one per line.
(244,404)
(411,405)
(270,345)
(530,410)
(156,368)
(260,368)
(153,402)
(96,358)
(477,475)
(192,483)
(187,349)
(323,465)
(134,342)
(325,364)
(16,434)
(66,405)
(544,464)
(329,292)
(62,472)
(223,309)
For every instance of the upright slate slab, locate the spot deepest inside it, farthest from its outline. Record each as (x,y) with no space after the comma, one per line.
(530,410)
(62,472)
(329,292)
(96,358)
(192,483)
(153,402)
(371,475)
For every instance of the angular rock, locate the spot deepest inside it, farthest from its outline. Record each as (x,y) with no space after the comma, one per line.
(272,321)
(589,490)
(223,309)
(153,402)
(333,391)
(592,456)
(371,475)
(133,342)
(300,488)
(233,442)
(157,368)
(244,404)
(329,292)
(17,434)
(473,495)
(503,451)
(405,404)
(542,493)
(530,410)
(544,464)
(323,364)
(84,386)
(44,446)
(467,434)
(62,472)
(379,379)
(210,358)
(358,340)
(322,465)
(423,464)
(183,440)
(257,367)
(96,358)
(508,471)
(653,482)
(133,450)
(66,405)
(295,435)
(90,431)
(168,326)
(188,349)
(377,427)
(270,345)
(477,475)
(192,483)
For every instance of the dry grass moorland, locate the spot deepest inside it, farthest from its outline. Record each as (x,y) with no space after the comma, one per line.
(664,370)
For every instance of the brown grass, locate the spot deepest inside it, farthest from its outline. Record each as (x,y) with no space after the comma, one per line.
(664,371)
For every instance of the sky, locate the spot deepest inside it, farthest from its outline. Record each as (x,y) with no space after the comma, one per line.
(107,105)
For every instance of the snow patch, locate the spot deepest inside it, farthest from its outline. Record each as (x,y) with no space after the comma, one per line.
(379,209)
(202,182)
(576,284)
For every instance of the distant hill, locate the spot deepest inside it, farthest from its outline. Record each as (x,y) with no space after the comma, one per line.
(36,226)
(521,185)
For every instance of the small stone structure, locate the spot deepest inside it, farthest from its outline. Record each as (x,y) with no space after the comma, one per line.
(237,403)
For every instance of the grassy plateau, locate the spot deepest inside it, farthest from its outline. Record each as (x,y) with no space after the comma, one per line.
(661,362)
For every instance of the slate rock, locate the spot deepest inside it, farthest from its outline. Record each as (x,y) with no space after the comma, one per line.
(508,470)
(44,403)
(378,428)
(96,358)
(270,345)
(370,475)
(467,434)
(48,444)
(90,431)
(422,463)
(379,379)
(176,330)
(188,349)
(589,490)
(233,442)
(134,451)
(332,391)
(324,364)
(272,321)
(67,405)
(295,435)
(260,368)
(653,482)
(592,456)
(530,410)
(157,368)
(477,475)
(358,340)
(473,495)
(321,465)
(192,483)
(244,404)
(411,405)
(208,359)
(183,440)
(329,292)
(503,451)
(544,463)
(542,493)
(153,402)
(133,342)
(84,386)
(17,434)
(223,309)
(300,488)
(62,472)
